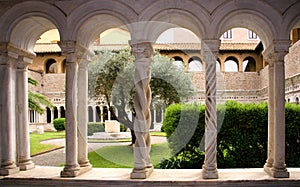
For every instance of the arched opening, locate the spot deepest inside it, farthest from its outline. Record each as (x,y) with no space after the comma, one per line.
(195,64)
(48,112)
(231,65)
(51,66)
(249,64)
(97,113)
(55,112)
(90,113)
(62,112)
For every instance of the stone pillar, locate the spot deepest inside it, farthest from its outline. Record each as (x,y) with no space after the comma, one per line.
(83,114)
(278,51)
(25,162)
(270,159)
(279,167)
(8,165)
(154,116)
(108,113)
(101,114)
(71,168)
(143,53)
(94,113)
(52,115)
(209,50)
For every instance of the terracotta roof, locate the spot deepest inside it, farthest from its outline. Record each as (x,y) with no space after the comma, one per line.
(52,48)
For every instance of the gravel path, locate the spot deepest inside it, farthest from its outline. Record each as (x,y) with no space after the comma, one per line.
(57,157)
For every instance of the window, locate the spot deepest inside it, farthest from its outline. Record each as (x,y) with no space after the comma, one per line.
(252,35)
(227,34)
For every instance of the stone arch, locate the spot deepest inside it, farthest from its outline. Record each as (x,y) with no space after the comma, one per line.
(231,64)
(290,19)
(237,14)
(51,66)
(87,24)
(249,64)
(195,64)
(177,15)
(20,22)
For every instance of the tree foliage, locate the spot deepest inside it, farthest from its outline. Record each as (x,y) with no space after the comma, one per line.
(36,100)
(111,75)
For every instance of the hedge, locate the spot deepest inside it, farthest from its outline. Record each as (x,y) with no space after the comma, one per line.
(242,140)
(59,124)
(95,127)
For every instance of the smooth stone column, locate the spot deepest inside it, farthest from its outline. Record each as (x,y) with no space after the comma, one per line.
(270,159)
(71,168)
(8,165)
(143,53)
(94,113)
(25,162)
(101,114)
(279,168)
(209,50)
(83,115)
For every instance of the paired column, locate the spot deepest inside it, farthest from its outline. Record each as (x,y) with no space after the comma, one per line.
(143,52)
(270,159)
(83,114)
(7,121)
(275,165)
(209,50)
(25,162)
(71,168)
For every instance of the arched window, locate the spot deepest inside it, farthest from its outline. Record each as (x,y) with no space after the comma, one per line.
(55,113)
(62,112)
(231,64)
(249,65)
(178,62)
(195,64)
(91,115)
(297,100)
(51,66)
(218,66)
(97,112)
(48,115)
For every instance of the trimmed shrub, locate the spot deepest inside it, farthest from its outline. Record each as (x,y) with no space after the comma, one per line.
(242,140)
(95,127)
(59,124)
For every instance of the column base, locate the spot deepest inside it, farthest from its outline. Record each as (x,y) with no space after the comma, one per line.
(211,173)
(9,171)
(26,165)
(141,173)
(277,173)
(70,171)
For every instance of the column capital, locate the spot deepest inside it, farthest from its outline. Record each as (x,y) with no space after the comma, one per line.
(23,62)
(68,49)
(276,51)
(210,50)
(141,49)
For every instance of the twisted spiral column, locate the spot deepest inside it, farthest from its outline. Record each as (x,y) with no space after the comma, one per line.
(209,51)
(143,53)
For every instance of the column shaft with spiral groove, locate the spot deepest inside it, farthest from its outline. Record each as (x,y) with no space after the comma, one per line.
(209,51)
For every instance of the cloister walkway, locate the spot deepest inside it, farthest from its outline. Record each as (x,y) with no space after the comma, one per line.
(100,177)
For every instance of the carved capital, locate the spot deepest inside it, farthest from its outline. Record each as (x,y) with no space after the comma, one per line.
(67,47)
(141,49)
(210,50)
(23,62)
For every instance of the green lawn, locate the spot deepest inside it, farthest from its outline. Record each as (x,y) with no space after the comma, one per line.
(37,147)
(158,133)
(122,156)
